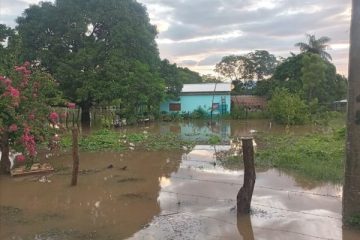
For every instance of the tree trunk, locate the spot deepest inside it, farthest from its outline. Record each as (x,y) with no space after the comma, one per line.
(75,154)
(245,194)
(351,190)
(5,161)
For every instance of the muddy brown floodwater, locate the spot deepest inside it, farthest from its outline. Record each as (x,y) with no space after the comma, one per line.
(167,195)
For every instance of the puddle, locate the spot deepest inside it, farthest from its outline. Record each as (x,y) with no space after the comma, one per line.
(198,202)
(168,195)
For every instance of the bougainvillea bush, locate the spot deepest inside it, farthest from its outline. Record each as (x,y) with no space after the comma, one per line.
(26,118)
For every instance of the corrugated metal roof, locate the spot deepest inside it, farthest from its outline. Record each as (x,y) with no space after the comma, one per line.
(249,100)
(206,87)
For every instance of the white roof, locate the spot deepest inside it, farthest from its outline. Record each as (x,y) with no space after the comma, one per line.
(206,87)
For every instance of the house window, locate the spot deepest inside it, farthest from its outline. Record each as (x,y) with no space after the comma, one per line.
(215,106)
(174,107)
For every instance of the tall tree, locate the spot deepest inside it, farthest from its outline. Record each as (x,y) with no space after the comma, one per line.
(262,65)
(312,74)
(9,50)
(351,196)
(235,68)
(90,46)
(308,75)
(316,46)
(243,70)
(175,77)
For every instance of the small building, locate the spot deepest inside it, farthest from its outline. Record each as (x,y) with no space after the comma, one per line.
(340,105)
(250,102)
(212,97)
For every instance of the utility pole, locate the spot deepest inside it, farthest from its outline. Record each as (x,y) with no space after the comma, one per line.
(351,192)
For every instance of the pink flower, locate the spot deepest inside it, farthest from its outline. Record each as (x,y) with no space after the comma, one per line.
(20,69)
(13,91)
(20,158)
(6,81)
(54,117)
(71,105)
(26,64)
(13,127)
(31,116)
(29,142)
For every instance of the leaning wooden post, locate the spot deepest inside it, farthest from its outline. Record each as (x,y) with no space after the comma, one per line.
(75,154)
(246,191)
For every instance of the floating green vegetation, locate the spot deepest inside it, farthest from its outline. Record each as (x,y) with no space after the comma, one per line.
(319,156)
(214,139)
(103,140)
(354,221)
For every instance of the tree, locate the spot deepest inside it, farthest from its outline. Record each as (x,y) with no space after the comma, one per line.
(89,46)
(244,70)
(9,49)
(175,77)
(351,196)
(287,75)
(306,74)
(148,87)
(262,65)
(312,74)
(208,78)
(235,68)
(316,46)
(25,113)
(288,108)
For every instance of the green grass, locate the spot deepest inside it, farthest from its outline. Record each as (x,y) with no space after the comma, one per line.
(317,156)
(104,140)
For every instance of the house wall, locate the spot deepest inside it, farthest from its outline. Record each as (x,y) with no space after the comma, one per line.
(189,103)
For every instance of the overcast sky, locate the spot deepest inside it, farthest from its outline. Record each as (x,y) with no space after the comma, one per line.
(198,33)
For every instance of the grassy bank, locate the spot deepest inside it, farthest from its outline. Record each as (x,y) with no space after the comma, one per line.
(319,156)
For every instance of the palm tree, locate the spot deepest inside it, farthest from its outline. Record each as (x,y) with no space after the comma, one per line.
(317,46)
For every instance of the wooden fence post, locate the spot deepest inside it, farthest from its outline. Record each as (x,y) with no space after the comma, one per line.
(245,194)
(75,154)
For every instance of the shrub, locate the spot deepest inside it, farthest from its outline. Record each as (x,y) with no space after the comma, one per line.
(199,113)
(287,108)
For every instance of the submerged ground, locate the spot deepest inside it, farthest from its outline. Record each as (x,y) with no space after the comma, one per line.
(178,194)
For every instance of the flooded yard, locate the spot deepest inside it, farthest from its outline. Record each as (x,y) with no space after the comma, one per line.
(185,194)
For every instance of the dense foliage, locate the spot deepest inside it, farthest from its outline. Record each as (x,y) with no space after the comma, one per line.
(315,46)
(25,115)
(175,77)
(310,77)
(243,70)
(288,108)
(95,49)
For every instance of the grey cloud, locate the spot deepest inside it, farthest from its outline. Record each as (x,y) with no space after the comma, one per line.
(275,29)
(188,63)
(210,60)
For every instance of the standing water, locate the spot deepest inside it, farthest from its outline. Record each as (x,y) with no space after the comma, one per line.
(168,195)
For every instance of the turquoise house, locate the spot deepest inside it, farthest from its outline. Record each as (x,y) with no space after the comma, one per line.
(212,97)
